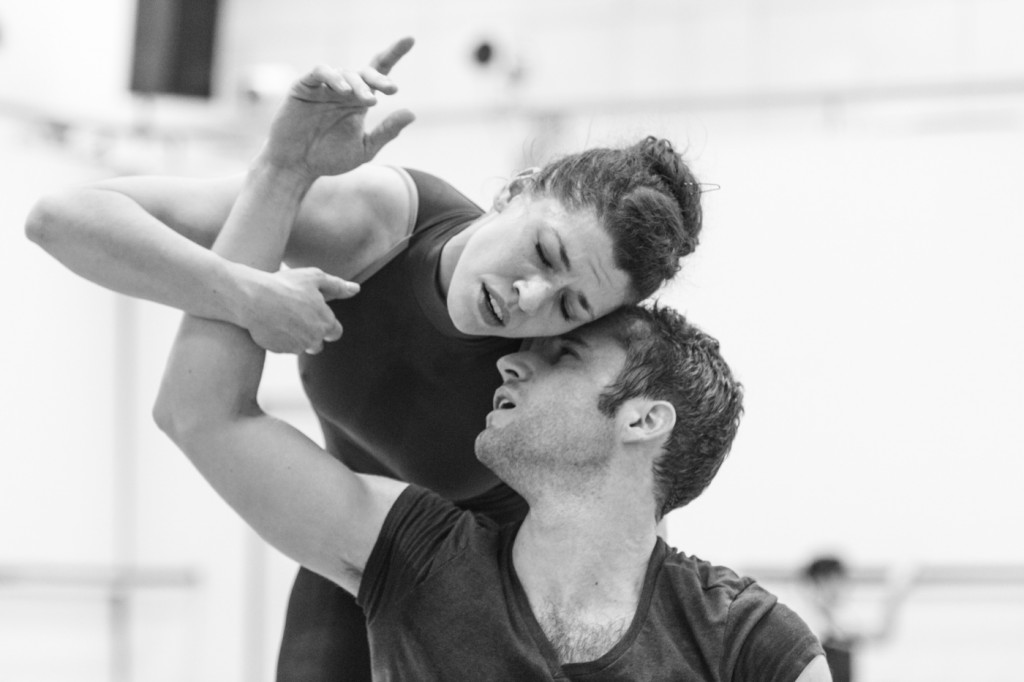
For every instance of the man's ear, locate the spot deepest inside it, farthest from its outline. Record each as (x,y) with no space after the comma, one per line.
(646,420)
(514,188)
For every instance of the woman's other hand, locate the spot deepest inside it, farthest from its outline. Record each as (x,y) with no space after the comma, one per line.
(287,311)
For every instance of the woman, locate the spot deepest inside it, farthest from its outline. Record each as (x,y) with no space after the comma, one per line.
(447,288)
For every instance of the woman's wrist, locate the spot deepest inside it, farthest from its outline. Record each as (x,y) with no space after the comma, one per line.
(283,179)
(234,292)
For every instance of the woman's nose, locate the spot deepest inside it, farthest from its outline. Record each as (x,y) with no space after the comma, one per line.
(532,293)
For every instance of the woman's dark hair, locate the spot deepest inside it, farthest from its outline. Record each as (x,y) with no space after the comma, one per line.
(646,197)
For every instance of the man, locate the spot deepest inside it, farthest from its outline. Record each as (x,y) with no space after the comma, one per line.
(602,431)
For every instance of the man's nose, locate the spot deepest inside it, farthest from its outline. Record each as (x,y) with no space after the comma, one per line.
(532,293)
(515,366)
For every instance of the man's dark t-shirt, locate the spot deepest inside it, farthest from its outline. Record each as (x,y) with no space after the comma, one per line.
(443,602)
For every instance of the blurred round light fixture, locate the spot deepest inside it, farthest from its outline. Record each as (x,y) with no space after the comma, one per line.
(483,53)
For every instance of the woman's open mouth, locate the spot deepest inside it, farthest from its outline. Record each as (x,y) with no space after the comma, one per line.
(490,308)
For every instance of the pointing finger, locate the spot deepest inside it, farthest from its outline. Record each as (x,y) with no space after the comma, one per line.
(384,61)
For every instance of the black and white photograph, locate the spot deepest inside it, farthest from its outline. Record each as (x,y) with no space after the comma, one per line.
(582,340)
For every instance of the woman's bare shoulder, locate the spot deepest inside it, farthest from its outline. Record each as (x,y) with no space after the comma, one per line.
(348,222)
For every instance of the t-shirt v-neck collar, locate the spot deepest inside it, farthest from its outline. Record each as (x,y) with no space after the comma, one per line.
(519,603)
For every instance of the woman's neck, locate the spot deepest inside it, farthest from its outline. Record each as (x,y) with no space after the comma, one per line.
(451,252)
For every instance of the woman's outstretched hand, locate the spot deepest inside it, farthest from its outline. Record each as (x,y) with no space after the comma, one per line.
(319,130)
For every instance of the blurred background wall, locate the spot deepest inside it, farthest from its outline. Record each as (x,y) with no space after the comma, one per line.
(859,265)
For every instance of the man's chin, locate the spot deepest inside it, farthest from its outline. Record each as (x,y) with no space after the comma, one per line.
(482,447)
(492,451)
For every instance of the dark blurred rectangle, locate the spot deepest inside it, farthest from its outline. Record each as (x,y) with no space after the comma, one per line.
(174,46)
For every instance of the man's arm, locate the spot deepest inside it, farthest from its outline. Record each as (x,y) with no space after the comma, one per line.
(816,671)
(295,495)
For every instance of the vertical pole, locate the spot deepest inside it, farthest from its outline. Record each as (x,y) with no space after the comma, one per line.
(125,483)
(254,580)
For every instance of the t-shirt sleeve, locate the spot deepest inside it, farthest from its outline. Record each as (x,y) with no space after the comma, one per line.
(773,643)
(416,539)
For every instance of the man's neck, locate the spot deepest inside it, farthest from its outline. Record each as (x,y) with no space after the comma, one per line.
(583,571)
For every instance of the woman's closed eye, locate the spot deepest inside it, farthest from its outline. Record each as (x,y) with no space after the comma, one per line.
(563,304)
(566,314)
(543,257)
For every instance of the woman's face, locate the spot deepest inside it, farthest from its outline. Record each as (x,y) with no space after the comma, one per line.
(533,269)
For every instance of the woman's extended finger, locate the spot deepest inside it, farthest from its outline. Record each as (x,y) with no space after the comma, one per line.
(386,60)
(378,81)
(323,75)
(361,89)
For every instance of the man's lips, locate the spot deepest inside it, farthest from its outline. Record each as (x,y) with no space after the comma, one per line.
(504,399)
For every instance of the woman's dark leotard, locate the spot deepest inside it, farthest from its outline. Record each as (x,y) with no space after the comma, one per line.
(402,394)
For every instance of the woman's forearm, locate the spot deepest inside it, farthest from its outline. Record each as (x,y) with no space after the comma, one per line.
(109,239)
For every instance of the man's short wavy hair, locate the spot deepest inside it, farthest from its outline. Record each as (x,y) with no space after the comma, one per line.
(667,358)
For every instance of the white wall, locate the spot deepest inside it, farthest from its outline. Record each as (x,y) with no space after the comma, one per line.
(867,291)
(65,55)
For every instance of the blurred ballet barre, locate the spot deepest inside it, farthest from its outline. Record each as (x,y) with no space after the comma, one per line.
(137,134)
(115,586)
(923,575)
(106,578)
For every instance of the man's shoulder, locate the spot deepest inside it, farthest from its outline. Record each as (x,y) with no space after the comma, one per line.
(422,528)
(752,634)
(424,536)
(725,601)
(422,512)
(691,573)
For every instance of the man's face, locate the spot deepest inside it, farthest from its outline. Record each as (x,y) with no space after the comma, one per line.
(546,422)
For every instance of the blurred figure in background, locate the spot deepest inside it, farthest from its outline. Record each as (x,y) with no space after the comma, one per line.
(828,583)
